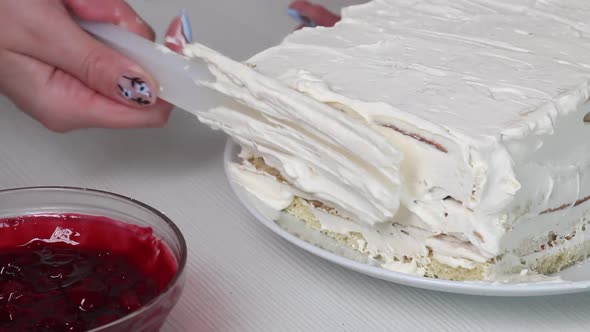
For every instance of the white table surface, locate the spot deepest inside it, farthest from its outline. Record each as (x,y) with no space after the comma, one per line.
(240,276)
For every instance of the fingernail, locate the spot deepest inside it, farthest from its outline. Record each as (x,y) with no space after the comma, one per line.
(136,90)
(187,31)
(305,21)
(179,33)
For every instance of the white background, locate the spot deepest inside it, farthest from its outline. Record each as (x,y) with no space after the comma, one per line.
(241,277)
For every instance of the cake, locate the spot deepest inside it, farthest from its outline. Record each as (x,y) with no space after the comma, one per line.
(447,139)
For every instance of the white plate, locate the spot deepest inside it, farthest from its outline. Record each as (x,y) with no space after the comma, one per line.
(576,279)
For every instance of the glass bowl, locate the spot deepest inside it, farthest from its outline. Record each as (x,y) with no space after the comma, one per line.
(67,200)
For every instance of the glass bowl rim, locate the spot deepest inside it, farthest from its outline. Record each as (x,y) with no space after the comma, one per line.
(178,234)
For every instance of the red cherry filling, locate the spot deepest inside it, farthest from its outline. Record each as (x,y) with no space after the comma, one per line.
(76,285)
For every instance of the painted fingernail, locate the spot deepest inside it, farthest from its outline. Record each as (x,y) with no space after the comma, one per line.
(305,21)
(136,90)
(179,33)
(187,31)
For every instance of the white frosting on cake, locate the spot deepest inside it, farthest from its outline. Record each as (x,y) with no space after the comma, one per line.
(331,157)
(467,113)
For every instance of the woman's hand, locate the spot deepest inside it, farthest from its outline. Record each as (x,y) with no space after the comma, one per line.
(64,78)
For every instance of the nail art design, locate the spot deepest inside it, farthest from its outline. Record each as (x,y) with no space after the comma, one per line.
(136,90)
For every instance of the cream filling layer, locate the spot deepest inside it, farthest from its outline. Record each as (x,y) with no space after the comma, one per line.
(403,236)
(407,247)
(320,152)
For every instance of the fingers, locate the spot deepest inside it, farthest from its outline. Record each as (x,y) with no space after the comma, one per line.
(179,33)
(74,51)
(117,12)
(63,103)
